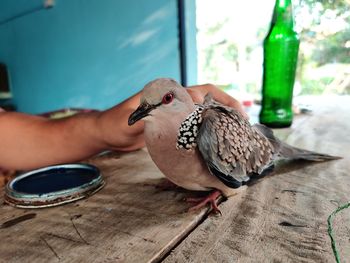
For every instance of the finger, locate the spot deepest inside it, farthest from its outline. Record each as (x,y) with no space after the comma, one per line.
(233,103)
(238,106)
(196,95)
(227,100)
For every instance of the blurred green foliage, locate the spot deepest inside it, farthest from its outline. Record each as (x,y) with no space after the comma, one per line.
(324,55)
(328,39)
(332,49)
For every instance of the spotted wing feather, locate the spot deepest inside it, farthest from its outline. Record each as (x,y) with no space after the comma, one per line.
(232,148)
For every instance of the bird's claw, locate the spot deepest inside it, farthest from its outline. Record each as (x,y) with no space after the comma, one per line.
(203,201)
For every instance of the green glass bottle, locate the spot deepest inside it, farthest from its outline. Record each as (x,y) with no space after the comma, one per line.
(281,46)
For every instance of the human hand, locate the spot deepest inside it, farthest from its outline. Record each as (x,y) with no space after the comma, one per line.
(198,93)
(131,137)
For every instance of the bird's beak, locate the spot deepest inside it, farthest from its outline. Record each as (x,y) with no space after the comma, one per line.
(142,111)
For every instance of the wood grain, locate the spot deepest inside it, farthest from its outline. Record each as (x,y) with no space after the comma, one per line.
(280,218)
(129,220)
(283,217)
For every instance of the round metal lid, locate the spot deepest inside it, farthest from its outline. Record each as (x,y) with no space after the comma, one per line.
(53,185)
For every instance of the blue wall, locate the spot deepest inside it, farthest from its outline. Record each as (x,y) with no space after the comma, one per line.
(86,53)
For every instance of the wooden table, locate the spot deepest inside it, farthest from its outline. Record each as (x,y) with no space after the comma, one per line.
(280,218)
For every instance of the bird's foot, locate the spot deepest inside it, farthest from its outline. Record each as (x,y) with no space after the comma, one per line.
(203,201)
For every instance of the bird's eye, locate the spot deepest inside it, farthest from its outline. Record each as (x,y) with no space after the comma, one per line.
(168,98)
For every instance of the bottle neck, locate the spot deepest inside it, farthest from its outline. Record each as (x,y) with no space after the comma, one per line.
(283,14)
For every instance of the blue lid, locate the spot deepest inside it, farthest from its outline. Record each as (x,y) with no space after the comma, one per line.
(53,185)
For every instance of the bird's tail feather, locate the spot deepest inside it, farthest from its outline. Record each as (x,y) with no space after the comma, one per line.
(286,151)
(294,153)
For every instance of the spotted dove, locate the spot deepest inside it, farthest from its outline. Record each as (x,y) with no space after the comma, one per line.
(210,146)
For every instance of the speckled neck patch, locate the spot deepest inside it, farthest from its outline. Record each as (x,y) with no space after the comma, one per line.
(186,138)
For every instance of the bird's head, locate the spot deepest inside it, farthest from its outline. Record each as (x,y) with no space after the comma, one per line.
(162,96)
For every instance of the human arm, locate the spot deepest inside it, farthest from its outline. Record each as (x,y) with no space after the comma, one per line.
(28,142)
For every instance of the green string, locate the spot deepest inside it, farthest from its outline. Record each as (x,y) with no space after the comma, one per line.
(330,230)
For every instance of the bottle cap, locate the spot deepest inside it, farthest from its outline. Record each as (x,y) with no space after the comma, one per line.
(53,185)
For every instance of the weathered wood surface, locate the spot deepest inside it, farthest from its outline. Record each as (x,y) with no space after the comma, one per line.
(126,221)
(283,217)
(280,218)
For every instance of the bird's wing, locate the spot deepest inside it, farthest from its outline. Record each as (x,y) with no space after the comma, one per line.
(231,147)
